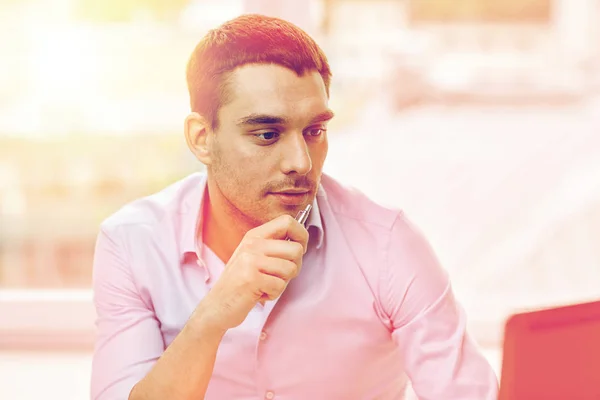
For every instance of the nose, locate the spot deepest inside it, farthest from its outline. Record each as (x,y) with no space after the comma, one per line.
(295,157)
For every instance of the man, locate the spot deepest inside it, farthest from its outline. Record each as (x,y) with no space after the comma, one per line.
(198,293)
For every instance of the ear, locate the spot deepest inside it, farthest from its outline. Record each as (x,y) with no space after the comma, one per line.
(197,135)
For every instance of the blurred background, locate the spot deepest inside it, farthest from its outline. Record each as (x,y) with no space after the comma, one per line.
(479,118)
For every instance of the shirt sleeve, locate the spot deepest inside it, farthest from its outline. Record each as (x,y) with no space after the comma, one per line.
(428,324)
(129,340)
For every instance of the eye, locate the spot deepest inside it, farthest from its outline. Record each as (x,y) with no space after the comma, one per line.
(267,135)
(316,131)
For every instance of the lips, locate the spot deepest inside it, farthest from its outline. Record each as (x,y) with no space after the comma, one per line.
(292,192)
(292,198)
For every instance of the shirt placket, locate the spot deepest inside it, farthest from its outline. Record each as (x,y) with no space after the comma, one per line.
(264,384)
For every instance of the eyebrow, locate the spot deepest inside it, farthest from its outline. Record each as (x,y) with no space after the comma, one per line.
(323,117)
(265,119)
(262,119)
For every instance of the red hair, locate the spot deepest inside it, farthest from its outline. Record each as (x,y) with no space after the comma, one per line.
(248,39)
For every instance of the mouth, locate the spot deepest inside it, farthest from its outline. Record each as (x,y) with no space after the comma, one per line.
(292,197)
(293,191)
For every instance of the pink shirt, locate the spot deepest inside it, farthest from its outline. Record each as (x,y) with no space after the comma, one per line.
(371,309)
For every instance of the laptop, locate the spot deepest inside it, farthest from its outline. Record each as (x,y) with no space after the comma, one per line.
(552,354)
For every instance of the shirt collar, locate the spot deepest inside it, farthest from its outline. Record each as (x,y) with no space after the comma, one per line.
(191,219)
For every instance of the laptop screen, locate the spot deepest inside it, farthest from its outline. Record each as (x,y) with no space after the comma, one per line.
(552,354)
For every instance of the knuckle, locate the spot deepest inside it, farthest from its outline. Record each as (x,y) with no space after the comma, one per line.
(289,219)
(280,286)
(298,250)
(294,268)
(305,234)
(249,242)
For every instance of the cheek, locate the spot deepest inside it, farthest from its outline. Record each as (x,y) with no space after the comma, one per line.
(319,154)
(325,150)
(238,171)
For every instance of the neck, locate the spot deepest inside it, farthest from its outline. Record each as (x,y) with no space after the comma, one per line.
(222,227)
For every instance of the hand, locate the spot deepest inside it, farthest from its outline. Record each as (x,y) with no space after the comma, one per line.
(259,269)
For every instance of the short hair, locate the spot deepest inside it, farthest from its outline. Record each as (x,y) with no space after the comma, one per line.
(247,39)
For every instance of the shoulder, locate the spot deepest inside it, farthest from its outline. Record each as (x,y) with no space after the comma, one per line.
(384,232)
(390,248)
(352,206)
(157,209)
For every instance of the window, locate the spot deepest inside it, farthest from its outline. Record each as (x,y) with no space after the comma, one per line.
(511,11)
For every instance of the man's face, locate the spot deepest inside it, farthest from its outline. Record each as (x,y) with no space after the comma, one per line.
(268,152)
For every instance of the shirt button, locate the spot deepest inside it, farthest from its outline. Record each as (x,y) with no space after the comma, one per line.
(263,336)
(269,395)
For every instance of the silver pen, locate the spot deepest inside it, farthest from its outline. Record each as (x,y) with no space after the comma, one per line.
(302,215)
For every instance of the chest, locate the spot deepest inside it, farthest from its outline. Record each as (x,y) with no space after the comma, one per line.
(324,326)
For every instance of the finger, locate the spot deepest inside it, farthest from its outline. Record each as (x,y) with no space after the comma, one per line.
(271,286)
(278,267)
(287,250)
(282,227)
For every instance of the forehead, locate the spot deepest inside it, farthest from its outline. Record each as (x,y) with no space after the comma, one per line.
(276,90)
